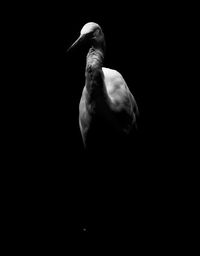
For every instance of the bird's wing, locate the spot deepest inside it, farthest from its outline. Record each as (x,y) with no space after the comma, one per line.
(120,96)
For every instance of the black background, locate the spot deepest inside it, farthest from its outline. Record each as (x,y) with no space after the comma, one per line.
(53,181)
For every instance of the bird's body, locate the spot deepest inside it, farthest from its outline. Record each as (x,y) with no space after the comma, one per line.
(107,109)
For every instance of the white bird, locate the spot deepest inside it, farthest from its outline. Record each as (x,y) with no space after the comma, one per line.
(107,109)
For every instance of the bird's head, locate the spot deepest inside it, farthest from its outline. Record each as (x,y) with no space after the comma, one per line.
(92,33)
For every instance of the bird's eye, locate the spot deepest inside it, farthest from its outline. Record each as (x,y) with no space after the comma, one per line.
(96,32)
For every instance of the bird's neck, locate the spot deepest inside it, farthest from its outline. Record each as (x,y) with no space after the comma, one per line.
(93,73)
(94,59)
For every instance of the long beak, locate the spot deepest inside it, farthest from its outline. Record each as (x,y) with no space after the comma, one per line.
(80,39)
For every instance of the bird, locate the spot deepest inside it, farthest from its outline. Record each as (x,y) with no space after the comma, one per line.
(107,108)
